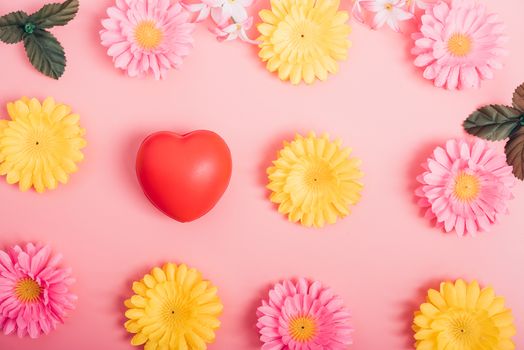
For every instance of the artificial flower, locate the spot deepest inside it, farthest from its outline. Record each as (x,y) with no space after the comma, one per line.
(357,10)
(145,37)
(40,145)
(314,180)
(413,5)
(303,39)
(235,31)
(303,316)
(388,11)
(174,309)
(34,291)
(462,316)
(203,8)
(230,9)
(465,186)
(459,44)
(230,18)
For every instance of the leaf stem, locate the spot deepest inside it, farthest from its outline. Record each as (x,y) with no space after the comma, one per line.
(29,27)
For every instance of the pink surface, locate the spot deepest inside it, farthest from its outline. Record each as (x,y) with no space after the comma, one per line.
(380,259)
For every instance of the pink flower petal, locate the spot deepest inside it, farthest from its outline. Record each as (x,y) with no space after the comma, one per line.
(288,301)
(33,318)
(118,35)
(439,24)
(476,158)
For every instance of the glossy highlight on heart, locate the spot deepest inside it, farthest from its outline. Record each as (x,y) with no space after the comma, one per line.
(184,176)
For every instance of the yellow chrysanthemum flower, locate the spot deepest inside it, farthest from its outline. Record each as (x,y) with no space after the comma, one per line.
(461,316)
(40,145)
(173,309)
(314,180)
(303,39)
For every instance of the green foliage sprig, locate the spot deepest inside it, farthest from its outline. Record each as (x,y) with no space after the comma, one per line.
(44,51)
(499,122)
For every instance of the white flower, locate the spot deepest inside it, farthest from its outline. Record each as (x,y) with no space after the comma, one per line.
(226,9)
(421,4)
(388,11)
(357,11)
(202,9)
(235,31)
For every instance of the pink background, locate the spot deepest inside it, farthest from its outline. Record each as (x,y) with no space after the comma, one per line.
(381,259)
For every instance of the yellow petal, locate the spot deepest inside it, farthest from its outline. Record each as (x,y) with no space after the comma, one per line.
(138,339)
(139,288)
(195,342)
(159,275)
(138,301)
(134,314)
(487,295)
(473,293)
(149,281)
(170,270)
(436,299)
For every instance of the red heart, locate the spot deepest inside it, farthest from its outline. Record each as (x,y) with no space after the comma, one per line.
(184,175)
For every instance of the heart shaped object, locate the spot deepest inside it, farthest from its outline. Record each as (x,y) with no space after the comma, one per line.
(184,176)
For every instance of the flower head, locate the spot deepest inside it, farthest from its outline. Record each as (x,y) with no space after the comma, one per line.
(357,10)
(303,316)
(233,31)
(201,8)
(388,11)
(40,145)
(459,44)
(303,39)
(314,180)
(413,5)
(225,10)
(465,186)
(462,316)
(173,308)
(34,291)
(146,37)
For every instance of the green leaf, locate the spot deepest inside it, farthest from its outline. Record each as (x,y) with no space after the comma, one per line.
(493,122)
(55,14)
(515,153)
(518,98)
(45,53)
(12,27)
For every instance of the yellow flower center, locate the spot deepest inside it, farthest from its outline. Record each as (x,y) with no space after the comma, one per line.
(147,35)
(388,7)
(302,329)
(467,187)
(41,140)
(176,312)
(318,175)
(27,290)
(459,45)
(232,1)
(304,35)
(468,330)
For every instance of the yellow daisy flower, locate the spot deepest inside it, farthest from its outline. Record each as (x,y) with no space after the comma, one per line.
(303,39)
(40,145)
(461,316)
(314,180)
(173,309)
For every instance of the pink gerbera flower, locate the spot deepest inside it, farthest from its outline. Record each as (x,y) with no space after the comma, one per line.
(147,36)
(465,186)
(303,316)
(34,291)
(459,45)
